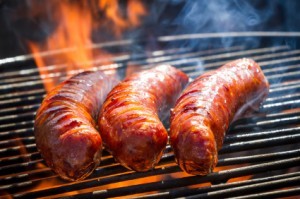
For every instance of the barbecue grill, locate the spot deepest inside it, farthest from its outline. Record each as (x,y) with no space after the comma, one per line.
(260,156)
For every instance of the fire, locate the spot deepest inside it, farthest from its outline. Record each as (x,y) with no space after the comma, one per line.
(134,10)
(70,44)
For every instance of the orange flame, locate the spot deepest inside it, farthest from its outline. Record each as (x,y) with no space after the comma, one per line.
(134,10)
(70,45)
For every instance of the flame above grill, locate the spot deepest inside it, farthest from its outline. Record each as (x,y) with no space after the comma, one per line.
(75,23)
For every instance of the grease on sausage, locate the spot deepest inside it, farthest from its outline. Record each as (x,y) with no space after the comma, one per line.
(65,125)
(129,121)
(206,108)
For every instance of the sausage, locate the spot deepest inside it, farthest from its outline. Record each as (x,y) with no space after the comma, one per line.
(205,109)
(129,120)
(65,125)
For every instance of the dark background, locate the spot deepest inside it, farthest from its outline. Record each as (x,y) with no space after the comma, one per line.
(18,24)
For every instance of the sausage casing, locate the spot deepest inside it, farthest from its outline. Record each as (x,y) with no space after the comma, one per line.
(129,121)
(206,108)
(65,124)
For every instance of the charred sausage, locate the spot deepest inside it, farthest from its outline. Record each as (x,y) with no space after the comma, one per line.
(65,125)
(129,121)
(205,109)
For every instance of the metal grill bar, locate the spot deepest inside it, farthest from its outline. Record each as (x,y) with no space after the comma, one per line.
(261,134)
(14,112)
(30,80)
(192,192)
(276,136)
(175,183)
(250,188)
(64,50)
(294,153)
(284,119)
(33,73)
(274,194)
(217,64)
(11,167)
(158,60)
(229,34)
(234,54)
(22,94)
(275,129)
(38,98)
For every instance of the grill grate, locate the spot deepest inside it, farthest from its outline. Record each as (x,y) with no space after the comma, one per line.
(259,158)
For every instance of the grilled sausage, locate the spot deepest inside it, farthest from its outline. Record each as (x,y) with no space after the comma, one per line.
(65,125)
(205,109)
(129,121)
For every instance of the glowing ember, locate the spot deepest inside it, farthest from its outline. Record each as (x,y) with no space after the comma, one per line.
(70,43)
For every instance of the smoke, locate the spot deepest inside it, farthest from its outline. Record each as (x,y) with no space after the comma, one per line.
(176,17)
(165,17)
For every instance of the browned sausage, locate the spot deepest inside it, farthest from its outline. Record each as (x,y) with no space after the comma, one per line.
(129,121)
(65,125)
(207,106)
